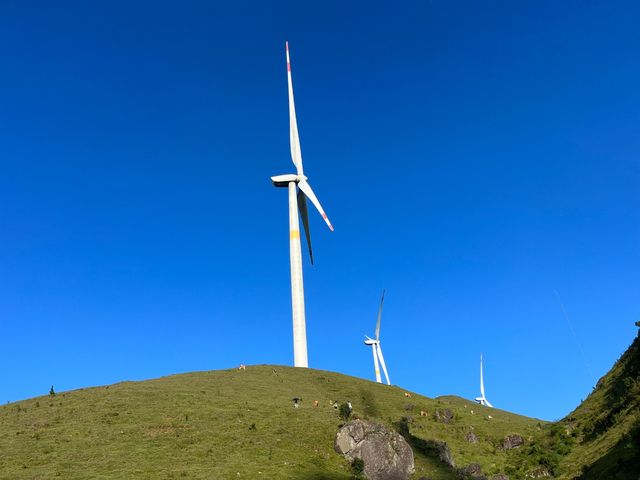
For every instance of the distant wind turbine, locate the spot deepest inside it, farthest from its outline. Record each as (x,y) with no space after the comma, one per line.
(377,350)
(299,190)
(482,400)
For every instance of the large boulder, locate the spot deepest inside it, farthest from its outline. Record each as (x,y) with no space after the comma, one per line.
(385,453)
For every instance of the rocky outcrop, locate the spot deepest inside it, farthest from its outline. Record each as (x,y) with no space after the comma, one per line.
(471,437)
(500,476)
(472,471)
(385,453)
(539,472)
(444,415)
(512,441)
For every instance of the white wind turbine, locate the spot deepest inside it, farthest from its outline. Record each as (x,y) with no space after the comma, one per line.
(482,400)
(297,200)
(377,350)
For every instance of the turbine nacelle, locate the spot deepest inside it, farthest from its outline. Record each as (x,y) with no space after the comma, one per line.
(371,341)
(285,180)
(484,402)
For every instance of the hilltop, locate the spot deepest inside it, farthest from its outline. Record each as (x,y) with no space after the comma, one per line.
(232,424)
(242,424)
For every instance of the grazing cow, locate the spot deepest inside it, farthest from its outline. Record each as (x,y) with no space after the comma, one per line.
(315,403)
(242,367)
(407,395)
(489,417)
(423,413)
(296,402)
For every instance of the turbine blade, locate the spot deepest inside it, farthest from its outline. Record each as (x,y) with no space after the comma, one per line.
(481,379)
(375,363)
(379,317)
(304,214)
(294,139)
(384,366)
(306,188)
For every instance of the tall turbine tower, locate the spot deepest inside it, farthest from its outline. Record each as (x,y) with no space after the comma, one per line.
(482,400)
(299,189)
(377,350)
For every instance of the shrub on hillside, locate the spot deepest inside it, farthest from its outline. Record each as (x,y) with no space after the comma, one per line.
(543,454)
(345,411)
(357,467)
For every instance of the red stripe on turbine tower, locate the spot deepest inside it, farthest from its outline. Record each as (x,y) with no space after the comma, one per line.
(286,44)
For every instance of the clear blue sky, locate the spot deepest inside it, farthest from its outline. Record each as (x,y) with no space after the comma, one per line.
(474,158)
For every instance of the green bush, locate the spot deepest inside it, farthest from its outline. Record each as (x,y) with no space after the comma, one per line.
(357,467)
(345,411)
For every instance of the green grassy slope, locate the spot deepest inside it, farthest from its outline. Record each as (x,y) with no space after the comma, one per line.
(606,425)
(233,424)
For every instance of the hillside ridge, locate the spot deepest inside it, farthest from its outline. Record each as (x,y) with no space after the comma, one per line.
(242,424)
(606,425)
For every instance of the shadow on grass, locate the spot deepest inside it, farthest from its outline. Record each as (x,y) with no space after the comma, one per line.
(369,404)
(323,476)
(621,393)
(432,449)
(622,462)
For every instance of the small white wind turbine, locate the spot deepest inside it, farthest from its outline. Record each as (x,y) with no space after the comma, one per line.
(377,350)
(482,400)
(299,190)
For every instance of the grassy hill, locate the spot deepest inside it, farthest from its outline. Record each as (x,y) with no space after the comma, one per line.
(606,425)
(232,424)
